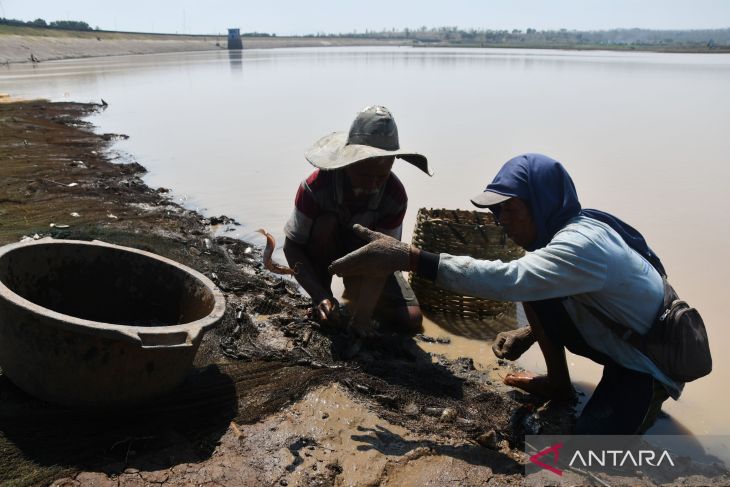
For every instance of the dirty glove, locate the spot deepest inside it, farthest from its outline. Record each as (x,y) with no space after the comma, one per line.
(510,345)
(383,255)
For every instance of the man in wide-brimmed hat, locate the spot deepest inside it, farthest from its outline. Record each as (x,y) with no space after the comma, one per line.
(353,183)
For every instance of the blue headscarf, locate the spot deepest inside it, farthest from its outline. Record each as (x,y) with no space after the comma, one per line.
(549,191)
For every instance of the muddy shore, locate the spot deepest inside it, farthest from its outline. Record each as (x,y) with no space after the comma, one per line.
(254,409)
(274,399)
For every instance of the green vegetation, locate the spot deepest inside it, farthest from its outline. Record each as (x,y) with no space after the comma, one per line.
(704,40)
(56,24)
(701,40)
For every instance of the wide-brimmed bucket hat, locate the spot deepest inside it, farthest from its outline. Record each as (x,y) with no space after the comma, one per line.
(373,134)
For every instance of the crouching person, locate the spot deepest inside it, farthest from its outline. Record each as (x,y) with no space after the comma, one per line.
(353,184)
(589,284)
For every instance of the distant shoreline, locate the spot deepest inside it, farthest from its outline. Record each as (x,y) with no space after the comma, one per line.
(17,44)
(18,48)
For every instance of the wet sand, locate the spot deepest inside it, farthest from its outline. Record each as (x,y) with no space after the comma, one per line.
(274,398)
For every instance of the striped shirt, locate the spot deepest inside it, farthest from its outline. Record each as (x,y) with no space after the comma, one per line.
(325,192)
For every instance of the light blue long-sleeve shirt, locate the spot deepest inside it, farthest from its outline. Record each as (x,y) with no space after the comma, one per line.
(586,262)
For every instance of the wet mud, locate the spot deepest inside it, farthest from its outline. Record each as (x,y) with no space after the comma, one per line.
(274,399)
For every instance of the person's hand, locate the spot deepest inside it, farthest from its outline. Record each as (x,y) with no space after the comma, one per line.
(326,311)
(510,345)
(382,255)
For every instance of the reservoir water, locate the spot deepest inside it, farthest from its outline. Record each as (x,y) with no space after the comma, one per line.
(644,136)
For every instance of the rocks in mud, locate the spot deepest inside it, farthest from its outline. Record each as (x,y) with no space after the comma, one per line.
(411,409)
(386,399)
(429,339)
(134,182)
(432,411)
(109,137)
(465,421)
(448,415)
(489,440)
(220,220)
(130,168)
(355,386)
(465,363)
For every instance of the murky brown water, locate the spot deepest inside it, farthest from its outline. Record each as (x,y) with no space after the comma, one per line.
(644,136)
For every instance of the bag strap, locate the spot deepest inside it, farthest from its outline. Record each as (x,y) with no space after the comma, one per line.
(630,336)
(622,331)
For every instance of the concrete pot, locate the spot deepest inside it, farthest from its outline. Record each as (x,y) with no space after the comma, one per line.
(92,324)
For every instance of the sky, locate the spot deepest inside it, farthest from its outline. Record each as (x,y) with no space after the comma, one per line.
(298,17)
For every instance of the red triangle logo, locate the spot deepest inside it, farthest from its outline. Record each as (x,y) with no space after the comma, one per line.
(551,449)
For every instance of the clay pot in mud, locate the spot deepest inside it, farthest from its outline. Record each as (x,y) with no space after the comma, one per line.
(92,324)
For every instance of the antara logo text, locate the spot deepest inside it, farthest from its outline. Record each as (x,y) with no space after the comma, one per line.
(602,458)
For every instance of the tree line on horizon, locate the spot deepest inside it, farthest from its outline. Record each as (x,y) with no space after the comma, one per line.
(708,38)
(56,24)
(704,38)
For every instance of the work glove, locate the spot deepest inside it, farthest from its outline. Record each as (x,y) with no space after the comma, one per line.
(382,255)
(510,345)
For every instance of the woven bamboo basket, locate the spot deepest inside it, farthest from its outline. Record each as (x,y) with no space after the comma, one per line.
(460,232)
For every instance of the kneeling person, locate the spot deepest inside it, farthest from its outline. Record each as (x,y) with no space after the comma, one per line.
(353,184)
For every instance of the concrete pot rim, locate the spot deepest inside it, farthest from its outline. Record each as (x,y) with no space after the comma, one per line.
(135,334)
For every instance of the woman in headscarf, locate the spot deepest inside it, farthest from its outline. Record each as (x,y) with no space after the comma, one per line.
(583,266)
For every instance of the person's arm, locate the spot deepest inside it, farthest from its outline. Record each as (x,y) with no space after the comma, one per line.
(567,266)
(297,231)
(322,299)
(306,276)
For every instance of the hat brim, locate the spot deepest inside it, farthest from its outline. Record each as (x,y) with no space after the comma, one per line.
(332,152)
(489,198)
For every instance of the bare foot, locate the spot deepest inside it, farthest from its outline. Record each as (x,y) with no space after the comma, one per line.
(537,384)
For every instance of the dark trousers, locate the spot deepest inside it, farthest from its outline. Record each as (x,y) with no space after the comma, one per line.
(625,402)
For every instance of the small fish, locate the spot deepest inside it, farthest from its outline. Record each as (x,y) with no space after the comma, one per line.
(269,264)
